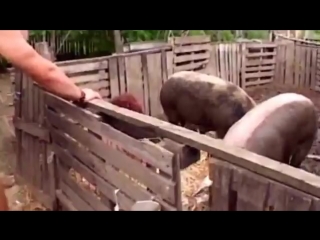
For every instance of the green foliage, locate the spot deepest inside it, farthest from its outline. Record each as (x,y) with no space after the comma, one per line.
(103,39)
(256,34)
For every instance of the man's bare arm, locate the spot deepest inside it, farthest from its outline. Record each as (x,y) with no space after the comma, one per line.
(16,50)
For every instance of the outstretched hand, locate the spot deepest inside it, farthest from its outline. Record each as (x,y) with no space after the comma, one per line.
(91,94)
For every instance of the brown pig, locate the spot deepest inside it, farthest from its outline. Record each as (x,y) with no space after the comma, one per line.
(208,102)
(282,128)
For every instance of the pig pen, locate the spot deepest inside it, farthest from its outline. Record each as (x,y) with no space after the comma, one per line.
(69,172)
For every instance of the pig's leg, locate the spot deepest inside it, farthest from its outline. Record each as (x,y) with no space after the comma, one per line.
(172,116)
(300,153)
(221,133)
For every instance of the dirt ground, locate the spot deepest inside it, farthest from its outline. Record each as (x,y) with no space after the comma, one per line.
(262,93)
(18,196)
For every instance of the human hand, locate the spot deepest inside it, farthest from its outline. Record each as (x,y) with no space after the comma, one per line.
(90,94)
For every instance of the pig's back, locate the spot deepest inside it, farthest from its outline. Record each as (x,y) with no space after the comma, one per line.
(201,89)
(273,124)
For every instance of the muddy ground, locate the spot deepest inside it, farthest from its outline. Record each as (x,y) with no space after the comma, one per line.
(262,93)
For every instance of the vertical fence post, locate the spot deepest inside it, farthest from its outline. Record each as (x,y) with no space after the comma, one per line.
(243,66)
(47,156)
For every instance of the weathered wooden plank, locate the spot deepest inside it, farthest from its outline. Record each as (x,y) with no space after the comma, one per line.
(85,117)
(192,48)
(105,171)
(155,82)
(278,66)
(113,75)
(134,77)
(191,66)
(220,192)
(259,74)
(64,201)
(17,114)
(260,68)
(92,77)
(289,64)
(308,67)
(85,67)
(85,195)
(170,62)
(250,63)
(315,205)
(262,54)
(216,55)
(104,187)
(192,57)
(283,69)
(77,202)
(164,67)
(116,158)
(152,156)
(211,67)
(282,198)
(176,178)
(314,68)
(121,74)
(36,155)
(227,64)
(251,190)
(258,82)
(234,69)
(290,176)
(146,88)
(243,65)
(46,165)
(96,85)
(239,63)
(302,67)
(222,61)
(297,65)
(32,160)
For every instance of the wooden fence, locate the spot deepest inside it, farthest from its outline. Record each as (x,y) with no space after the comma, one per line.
(190,53)
(155,169)
(297,65)
(244,64)
(87,152)
(140,73)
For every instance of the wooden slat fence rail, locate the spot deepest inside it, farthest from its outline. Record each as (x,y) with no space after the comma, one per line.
(297,65)
(111,161)
(110,75)
(190,53)
(303,187)
(225,62)
(140,73)
(259,65)
(244,64)
(315,80)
